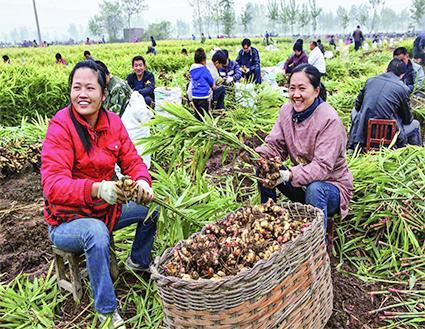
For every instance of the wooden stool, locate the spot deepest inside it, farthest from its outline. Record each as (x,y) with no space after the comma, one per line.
(73,284)
(378,131)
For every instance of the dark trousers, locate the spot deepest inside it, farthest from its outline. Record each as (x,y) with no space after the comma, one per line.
(322,195)
(253,76)
(202,106)
(357,45)
(218,97)
(148,100)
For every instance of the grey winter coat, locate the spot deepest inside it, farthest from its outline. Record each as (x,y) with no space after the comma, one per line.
(383,97)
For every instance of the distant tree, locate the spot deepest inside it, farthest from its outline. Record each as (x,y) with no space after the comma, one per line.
(96,26)
(303,17)
(387,19)
(343,17)
(375,5)
(228,16)
(290,11)
(112,18)
(417,11)
(363,15)
(182,28)
(283,16)
(246,17)
(273,13)
(314,13)
(132,7)
(73,31)
(198,14)
(161,30)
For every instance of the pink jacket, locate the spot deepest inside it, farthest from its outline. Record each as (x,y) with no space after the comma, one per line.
(68,172)
(316,147)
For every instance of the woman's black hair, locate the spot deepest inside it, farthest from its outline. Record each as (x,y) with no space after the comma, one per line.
(58,56)
(298,46)
(314,76)
(101,79)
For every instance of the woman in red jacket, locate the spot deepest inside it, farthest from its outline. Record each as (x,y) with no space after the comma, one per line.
(83,143)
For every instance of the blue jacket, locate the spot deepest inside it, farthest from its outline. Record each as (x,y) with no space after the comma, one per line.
(251,60)
(201,80)
(418,46)
(146,86)
(231,70)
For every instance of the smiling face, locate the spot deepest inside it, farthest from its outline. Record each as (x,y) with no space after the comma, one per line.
(246,49)
(86,94)
(301,92)
(139,68)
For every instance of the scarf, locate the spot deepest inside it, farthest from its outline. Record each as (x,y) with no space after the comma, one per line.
(299,117)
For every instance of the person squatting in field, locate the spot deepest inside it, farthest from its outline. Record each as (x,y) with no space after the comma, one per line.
(142,80)
(414,76)
(202,89)
(298,57)
(385,96)
(230,72)
(249,62)
(309,132)
(82,206)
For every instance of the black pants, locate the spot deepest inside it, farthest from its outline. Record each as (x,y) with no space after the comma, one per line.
(357,45)
(218,97)
(202,106)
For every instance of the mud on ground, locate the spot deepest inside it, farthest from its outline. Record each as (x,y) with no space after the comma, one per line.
(25,247)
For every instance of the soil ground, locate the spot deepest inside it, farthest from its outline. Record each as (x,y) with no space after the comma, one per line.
(25,247)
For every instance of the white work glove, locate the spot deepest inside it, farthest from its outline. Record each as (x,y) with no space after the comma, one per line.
(145,192)
(284,177)
(107,191)
(229,79)
(281,178)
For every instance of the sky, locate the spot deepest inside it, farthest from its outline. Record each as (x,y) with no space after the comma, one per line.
(55,16)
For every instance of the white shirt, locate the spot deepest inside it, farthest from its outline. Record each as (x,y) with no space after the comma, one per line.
(317,59)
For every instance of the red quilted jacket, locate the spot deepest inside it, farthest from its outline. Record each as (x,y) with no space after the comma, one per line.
(68,171)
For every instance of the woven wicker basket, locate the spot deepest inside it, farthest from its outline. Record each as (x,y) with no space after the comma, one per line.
(292,289)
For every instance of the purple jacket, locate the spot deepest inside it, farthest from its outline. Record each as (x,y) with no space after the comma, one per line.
(294,61)
(315,146)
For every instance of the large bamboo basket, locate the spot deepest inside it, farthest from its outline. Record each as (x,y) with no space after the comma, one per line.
(292,289)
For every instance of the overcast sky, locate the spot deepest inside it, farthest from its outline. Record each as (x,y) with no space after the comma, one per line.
(56,15)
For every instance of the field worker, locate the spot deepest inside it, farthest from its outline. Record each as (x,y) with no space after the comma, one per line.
(201,84)
(60,60)
(297,58)
(316,58)
(332,42)
(184,52)
(153,42)
(321,46)
(88,56)
(133,113)
(151,50)
(142,80)
(249,62)
(219,90)
(385,97)
(230,71)
(6,59)
(419,49)
(358,38)
(118,92)
(82,206)
(414,75)
(309,132)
